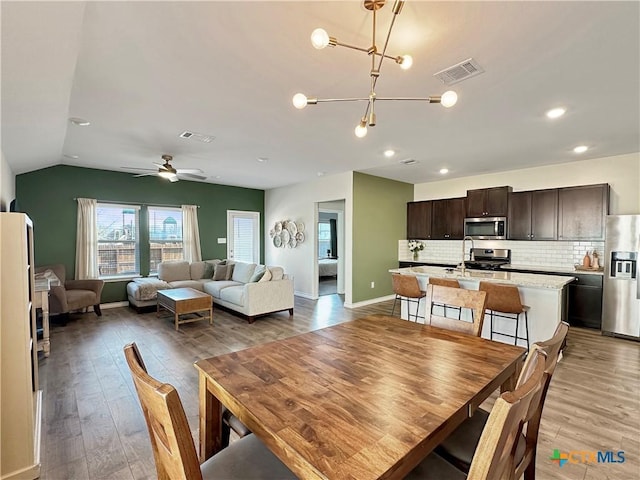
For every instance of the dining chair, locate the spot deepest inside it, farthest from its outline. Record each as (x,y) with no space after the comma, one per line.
(406,287)
(172,444)
(473,300)
(504,301)
(459,447)
(493,459)
(445,282)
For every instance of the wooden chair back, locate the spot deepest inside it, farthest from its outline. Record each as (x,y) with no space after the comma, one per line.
(406,286)
(551,348)
(473,300)
(502,298)
(493,458)
(171,440)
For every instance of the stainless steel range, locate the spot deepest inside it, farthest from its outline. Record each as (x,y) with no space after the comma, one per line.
(488,258)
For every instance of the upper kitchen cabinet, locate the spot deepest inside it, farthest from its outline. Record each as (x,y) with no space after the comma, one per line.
(419,220)
(582,211)
(533,215)
(488,202)
(447,221)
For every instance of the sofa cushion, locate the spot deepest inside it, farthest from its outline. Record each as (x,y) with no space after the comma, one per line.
(266,276)
(187,284)
(258,273)
(242,272)
(172,271)
(277,273)
(223,272)
(214,288)
(196,270)
(234,294)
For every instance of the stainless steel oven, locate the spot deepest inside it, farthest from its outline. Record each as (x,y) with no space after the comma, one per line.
(486,228)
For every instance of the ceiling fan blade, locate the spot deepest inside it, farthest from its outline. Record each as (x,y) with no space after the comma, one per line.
(189,170)
(140,169)
(145,174)
(161,165)
(191,175)
(174,178)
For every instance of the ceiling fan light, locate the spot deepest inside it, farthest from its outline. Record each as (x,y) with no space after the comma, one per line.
(449,99)
(405,61)
(299,101)
(166,174)
(319,38)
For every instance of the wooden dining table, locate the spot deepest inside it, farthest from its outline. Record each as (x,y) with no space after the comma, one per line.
(365,399)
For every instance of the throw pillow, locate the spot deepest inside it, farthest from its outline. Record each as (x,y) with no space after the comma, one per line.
(258,273)
(266,277)
(221,272)
(208,270)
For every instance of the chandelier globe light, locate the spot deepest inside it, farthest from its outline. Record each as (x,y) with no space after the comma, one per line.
(321,39)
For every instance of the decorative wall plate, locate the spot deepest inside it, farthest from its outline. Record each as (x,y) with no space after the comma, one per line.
(277,241)
(292,228)
(286,236)
(293,242)
(300,226)
(299,237)
(278,228)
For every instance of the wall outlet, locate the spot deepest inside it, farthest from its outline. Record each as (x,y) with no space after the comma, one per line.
(222,240)
(373,284)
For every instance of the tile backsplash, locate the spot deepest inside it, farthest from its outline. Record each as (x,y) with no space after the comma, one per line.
(523,253)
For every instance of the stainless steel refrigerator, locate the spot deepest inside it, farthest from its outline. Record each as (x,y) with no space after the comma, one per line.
(621,300)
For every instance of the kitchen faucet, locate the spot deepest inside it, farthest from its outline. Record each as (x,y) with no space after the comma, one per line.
(464,241)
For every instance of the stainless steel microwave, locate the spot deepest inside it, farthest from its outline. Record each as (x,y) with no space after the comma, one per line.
(486,228)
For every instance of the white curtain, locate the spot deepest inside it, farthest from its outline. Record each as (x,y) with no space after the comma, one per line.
(87,239)
(190,234)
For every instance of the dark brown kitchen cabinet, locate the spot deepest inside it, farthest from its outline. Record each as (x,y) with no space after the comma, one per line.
(419,220)
(447,222)
(533,215)
(582,211)
(585,301)
(488,202)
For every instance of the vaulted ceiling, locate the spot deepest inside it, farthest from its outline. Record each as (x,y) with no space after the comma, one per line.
(144,72)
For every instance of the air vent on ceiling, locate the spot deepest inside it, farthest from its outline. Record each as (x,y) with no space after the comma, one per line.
(408,161)
(463,70)
(199,137)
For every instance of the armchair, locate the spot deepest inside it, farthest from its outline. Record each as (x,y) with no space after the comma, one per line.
(71,295)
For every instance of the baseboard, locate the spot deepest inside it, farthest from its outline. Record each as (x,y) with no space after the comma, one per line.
(305,295)
(364,303)
(114,305)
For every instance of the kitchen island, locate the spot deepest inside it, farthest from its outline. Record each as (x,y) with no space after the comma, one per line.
(545,295)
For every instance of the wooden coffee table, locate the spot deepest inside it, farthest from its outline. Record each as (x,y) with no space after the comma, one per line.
(181,301)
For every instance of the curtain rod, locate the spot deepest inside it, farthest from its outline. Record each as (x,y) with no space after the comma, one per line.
(138,203)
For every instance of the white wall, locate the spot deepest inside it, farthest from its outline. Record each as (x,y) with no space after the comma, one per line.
(621,172)
(299,203)
(7,184)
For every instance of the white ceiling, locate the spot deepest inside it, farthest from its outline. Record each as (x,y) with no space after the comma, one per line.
(143,72)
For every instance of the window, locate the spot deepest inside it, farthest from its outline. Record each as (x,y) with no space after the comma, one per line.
(324,239)
(165,235)
(118,240)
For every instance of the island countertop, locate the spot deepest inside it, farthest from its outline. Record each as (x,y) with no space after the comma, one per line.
(530,280)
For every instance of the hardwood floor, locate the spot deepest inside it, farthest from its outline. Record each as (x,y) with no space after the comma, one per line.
(94,428)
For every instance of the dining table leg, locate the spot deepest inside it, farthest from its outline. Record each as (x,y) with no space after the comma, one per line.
(210,410)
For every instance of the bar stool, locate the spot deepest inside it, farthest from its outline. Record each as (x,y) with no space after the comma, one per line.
(504,301)
(407,287)
(445,282)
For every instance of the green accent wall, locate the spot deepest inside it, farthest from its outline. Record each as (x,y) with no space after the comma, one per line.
(379,222)
(47,196)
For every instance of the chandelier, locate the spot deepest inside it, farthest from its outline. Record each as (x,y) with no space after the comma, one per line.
(321,39)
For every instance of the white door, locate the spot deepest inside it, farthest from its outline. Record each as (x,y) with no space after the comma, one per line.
(243,234)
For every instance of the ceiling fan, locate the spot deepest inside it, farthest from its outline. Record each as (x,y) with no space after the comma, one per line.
(167,171)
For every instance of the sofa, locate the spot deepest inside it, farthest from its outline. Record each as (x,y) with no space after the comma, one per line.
(247,288)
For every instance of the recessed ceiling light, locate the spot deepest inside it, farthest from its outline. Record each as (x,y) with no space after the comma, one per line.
(444,171)
(217,176)
(556,112)
(73,157)
(263,159)
(389,153)
(581,149)
(321,174)
(81,122)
